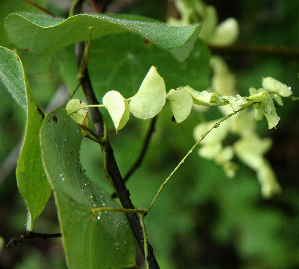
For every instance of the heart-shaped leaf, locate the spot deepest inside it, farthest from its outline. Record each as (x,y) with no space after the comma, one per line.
(91,239)
(42,34)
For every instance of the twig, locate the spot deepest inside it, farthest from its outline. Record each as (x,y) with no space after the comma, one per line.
(39,7)
(190,151)
(14,241)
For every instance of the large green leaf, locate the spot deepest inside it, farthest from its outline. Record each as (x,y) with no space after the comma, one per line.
(10,6)
(31,179)
(91,240)
(121,62)
(42,34)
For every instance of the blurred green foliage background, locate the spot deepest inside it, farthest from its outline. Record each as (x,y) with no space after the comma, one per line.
(202,219)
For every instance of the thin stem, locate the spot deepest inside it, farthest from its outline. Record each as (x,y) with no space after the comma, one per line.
(190,151)
(39,7)
(85,58)
(95,6)
(14,241)
(141,218)
(87,52)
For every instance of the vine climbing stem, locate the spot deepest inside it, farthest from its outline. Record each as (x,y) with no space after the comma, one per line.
(111,167)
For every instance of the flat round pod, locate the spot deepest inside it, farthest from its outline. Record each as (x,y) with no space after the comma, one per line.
(151,96)
(80,116)
(181,103)
(117,107)
(226,33)
(273,85)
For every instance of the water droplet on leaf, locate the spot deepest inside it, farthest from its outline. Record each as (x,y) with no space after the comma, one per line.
(267,109)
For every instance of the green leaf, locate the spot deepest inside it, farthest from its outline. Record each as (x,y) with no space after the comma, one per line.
(270,113)
(151,96)
(90,239)
(12,75)
(41,34)
(68,67)
(181,104)
(9,6)
(120,62)
(31,178)
(118,108)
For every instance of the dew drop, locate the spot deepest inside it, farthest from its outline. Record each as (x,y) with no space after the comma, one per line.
(99,214)
(62,176)
(117,245)
(267,109)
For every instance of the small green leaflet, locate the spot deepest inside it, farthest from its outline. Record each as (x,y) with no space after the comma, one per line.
(91,240)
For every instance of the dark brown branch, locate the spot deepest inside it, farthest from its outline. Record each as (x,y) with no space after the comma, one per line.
(14,241)
(92,100)
(110,163)
(141,154)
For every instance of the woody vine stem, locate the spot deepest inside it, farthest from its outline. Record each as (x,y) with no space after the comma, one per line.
(111,168)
